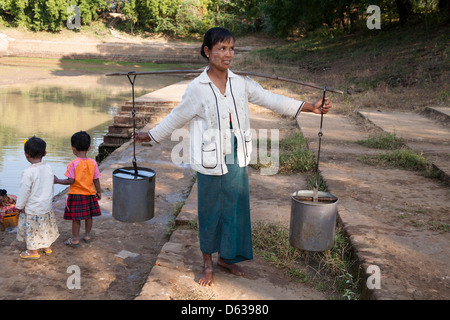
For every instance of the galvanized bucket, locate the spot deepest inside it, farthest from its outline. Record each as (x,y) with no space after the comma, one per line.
(312,224)
(133,194)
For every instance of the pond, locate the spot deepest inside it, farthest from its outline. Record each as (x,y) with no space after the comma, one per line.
(52,99)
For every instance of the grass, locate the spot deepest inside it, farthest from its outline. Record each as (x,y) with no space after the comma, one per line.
(400,157)
(403,158)
(382,69)
(439,226)
(406,48)
(383,140)
(311,182)
(294,155)
(333,272)
(330,272)
(172,226)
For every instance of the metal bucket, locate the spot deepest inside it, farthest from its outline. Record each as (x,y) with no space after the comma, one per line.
(133,195)
(312,223)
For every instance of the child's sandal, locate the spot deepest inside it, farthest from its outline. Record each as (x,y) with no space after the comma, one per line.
(47,251)
(27,255)
(69,243)
(87,240)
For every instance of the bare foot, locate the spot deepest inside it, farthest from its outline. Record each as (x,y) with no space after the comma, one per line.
(206,279)
(232,267)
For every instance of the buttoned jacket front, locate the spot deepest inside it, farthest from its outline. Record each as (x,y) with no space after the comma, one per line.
(209,113)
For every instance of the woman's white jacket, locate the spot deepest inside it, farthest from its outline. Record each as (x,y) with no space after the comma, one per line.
(208,111)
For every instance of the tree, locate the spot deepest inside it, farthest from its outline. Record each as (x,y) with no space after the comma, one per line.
(404,9)
(129,10)
(444,7)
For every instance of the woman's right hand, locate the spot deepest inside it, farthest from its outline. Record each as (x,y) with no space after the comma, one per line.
(140,137)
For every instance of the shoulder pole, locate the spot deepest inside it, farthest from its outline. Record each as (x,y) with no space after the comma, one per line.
(242,73)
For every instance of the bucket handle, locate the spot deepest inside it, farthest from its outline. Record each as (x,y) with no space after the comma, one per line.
(133,114)
(320,134)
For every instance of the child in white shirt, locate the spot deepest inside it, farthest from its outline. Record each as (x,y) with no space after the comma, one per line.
(37,224)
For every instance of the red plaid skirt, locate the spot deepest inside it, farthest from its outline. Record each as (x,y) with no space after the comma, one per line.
(81,207)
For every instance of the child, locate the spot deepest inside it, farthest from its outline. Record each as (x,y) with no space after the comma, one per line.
(37,224)
(7,203)
(83,177)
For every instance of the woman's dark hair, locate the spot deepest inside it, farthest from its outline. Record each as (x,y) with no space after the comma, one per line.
(81,141)
(213,36)
(35,147)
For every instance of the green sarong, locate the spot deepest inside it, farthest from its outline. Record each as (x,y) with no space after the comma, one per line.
(224,213)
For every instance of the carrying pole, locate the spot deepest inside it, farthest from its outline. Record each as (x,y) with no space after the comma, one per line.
(245,73)
(242,73)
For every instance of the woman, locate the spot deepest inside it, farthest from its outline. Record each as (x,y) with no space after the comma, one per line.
(216,105)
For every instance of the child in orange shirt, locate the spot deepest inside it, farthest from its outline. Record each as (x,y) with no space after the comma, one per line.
(83,177)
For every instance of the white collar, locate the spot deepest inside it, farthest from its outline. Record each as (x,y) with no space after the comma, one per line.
(204,78)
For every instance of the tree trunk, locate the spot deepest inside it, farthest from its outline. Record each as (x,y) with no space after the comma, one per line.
(354,19)
(444,6)
(404,9)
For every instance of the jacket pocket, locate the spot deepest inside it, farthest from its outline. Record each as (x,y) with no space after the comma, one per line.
(209,155)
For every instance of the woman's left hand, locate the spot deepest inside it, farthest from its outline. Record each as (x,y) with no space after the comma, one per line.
(317,106)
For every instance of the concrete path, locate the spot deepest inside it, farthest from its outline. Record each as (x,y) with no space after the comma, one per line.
(389,214)
(422,134)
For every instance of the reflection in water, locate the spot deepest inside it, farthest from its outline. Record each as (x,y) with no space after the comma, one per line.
(53,110)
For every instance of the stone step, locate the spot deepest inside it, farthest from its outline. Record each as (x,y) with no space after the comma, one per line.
(142,113)
(104,150)
(160,53)
(409,126)
(441,115)
(123,125)
(119,129)
(422,134)
(151,103)
(147,108)
(141,120)
(116,139)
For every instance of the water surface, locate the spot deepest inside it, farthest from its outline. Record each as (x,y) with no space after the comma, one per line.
(52,100)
